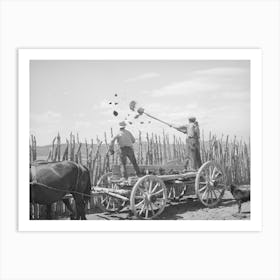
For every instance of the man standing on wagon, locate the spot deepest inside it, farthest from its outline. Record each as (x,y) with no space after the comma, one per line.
(125,141)
(192,130)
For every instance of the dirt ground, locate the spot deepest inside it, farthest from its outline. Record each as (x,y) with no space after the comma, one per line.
(188,208)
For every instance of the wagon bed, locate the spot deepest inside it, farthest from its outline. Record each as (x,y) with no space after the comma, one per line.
(147,196)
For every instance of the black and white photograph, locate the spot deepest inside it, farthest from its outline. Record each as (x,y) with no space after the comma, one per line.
(140,139)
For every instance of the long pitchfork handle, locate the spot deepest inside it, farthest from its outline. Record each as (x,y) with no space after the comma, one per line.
(161,121)
(157,119)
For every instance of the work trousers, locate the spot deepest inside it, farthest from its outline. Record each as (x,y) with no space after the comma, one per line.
(127,152)
(194,152)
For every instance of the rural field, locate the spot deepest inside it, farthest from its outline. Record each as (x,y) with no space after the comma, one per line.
(151,149)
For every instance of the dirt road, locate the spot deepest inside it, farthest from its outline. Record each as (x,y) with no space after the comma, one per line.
(188,208)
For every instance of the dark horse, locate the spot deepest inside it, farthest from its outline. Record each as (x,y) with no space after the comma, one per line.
(51,181)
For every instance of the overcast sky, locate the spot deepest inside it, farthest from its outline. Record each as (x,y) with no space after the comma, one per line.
(75,95)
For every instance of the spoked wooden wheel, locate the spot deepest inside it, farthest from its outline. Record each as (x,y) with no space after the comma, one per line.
(210,183)
(148,197)
(105,202)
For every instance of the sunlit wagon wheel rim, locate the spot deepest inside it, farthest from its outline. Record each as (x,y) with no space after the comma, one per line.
(148,197)
(210,183)
(105,202)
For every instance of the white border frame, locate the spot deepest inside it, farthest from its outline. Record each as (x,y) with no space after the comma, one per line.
(254,55)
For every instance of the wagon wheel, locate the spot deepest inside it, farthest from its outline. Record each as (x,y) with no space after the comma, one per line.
(105,202)
(148,197)
(210,183)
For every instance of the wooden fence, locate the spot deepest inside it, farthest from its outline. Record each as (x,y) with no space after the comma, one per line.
(151,149)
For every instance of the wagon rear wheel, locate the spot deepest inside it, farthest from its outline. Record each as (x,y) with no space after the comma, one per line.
(148,197)
(105,202)
(210,183)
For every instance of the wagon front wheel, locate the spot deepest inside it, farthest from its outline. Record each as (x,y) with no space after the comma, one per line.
(210,183)
(148,197)
(105,202)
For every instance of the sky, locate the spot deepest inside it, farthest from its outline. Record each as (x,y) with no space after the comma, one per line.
(73,96)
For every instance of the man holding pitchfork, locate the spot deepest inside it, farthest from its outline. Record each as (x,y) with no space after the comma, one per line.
(192,130)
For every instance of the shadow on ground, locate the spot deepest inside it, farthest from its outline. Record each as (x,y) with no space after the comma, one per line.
(174,209)
(188,209)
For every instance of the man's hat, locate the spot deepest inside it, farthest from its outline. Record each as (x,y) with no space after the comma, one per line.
(192,118)
(122,124)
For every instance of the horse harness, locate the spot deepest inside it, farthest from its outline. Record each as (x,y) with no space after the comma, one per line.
(35,182)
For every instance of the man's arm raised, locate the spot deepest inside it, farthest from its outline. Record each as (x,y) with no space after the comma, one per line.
(183,128)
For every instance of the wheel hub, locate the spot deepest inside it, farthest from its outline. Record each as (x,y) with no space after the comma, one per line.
(149,198)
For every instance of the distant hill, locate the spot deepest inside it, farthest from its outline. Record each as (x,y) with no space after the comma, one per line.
(43,151)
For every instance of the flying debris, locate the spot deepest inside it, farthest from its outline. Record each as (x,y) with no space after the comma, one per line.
(110,103)
(140,111)
(132,105)
(116,103)
(130,122)
(115,113)
(116,95)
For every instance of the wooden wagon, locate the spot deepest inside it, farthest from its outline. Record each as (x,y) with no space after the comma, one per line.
(147,196)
